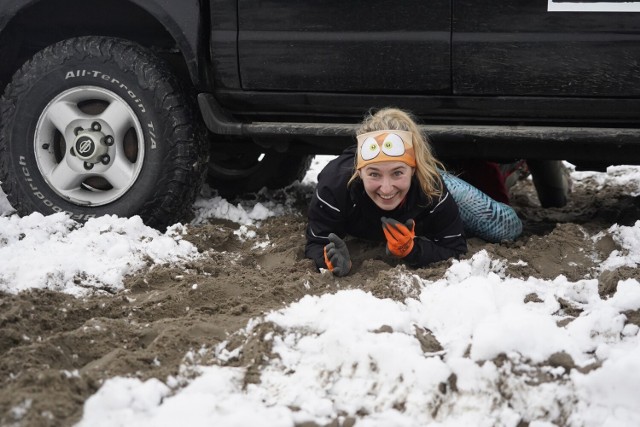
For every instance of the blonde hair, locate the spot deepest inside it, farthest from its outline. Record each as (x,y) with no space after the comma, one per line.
(426,164)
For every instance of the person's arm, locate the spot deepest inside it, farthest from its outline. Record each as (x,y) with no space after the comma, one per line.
(325,217)
(443,236)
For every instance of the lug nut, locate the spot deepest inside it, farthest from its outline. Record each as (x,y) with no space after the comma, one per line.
(45,146)
(108,140)
(88,166)
(72,152)
(77,130)
(96,126)
(105,159)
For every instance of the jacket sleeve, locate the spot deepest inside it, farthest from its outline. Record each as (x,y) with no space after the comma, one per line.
(325,217)
(442,236)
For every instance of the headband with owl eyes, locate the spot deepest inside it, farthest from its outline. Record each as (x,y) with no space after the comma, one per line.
(386,146)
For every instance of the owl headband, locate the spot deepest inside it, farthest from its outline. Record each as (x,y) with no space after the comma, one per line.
(385,146)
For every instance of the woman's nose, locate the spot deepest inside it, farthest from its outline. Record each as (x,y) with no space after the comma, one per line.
(386,185)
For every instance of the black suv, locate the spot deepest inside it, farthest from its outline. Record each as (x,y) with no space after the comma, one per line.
(125,106)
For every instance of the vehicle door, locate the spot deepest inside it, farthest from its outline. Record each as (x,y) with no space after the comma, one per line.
(353,46)
(549,48)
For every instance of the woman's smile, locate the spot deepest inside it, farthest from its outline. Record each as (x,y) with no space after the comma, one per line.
(389,197)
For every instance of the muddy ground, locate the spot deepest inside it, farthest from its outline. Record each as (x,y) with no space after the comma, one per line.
(55,350)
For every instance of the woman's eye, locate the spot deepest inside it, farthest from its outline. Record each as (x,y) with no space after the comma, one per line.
(393,145)
(370,149)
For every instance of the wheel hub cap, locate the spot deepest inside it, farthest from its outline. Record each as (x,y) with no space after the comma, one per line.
(89,146)
(83,143)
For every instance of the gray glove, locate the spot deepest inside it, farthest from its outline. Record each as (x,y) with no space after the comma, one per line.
(336,256)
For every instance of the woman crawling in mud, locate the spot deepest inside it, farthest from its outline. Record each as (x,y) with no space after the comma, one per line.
(390,188)
(387,189)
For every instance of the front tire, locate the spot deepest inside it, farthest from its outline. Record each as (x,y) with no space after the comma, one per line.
(97,125)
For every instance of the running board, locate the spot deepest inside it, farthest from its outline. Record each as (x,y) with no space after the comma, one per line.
(482,141)
(219,122)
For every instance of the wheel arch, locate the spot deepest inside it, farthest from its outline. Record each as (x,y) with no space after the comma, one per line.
(170,28)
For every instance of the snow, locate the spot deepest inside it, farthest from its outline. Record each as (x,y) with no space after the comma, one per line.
(629,239)
(217,207)
(332,359)
(57,253)
(351,354)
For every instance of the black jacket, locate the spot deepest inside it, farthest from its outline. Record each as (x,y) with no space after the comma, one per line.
(341,209)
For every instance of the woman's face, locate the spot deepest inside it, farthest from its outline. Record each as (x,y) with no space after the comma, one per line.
(386,183)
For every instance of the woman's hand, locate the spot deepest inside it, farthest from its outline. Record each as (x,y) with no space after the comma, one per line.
(399,236)
(336,256)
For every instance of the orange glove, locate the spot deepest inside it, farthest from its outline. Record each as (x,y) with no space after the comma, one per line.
(336,256)
(399,236)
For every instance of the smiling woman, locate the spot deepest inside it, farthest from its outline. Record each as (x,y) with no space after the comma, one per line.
(390,188)
(386,189)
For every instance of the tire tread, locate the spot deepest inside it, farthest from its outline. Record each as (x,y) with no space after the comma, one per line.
(186,157)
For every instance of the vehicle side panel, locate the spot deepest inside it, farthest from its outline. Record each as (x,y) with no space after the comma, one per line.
(517,47)
(223,49)
(352,46)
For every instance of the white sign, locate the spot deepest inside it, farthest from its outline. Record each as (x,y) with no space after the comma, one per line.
(593,6)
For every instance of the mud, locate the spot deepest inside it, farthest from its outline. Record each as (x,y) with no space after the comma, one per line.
(56,350)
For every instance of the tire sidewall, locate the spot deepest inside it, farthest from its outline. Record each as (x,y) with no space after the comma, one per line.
(48,82)
(276,170)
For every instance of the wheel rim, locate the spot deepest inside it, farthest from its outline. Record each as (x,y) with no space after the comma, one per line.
(89,146)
